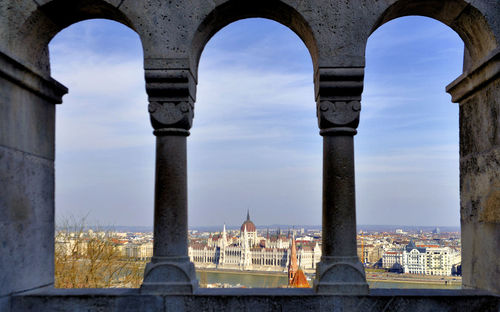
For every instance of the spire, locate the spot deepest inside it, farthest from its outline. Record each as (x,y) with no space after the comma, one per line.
(248,214)
(244,239)
(224,235)
(294,254)
(412,244)
(292,265)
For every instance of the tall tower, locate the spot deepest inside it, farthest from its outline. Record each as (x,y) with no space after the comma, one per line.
(251,229)
(224,236)
(296,277)
(246,256)
(222,246)
(292,265)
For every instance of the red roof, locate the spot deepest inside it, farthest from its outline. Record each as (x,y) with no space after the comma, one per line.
(299,280)
(249,225)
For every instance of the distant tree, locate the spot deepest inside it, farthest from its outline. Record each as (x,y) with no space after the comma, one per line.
(396,268)
(92,259)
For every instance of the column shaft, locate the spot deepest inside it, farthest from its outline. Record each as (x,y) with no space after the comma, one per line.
(339,202)
(170,223)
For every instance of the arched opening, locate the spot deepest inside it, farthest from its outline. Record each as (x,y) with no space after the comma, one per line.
(407,156)
(468,22)
(232,11)
(254,148)
(104,157)
(52,17)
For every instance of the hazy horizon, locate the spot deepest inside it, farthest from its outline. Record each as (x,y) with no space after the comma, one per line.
(283,227)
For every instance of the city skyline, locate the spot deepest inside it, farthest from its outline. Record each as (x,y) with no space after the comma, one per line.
(254,143)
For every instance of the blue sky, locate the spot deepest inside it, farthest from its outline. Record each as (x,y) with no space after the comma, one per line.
(255,143)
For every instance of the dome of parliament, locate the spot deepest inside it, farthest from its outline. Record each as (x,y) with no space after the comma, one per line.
(248,224)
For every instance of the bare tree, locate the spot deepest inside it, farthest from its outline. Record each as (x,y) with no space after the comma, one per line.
(91,259)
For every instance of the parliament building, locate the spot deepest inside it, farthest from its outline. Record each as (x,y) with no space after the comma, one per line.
(248,251)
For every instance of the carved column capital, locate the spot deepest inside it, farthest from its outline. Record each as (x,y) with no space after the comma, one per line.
(171,100)
(168,117)
(338,98)
(335,116)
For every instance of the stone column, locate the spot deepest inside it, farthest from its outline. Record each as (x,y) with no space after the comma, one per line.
(171,100)
(338,95)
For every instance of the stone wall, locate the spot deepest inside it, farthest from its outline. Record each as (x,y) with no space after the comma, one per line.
(480,187)
(264,300)
(27,115)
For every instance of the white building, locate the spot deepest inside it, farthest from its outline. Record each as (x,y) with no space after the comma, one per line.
(391,257)
(428,260)
(414,259)
(139,251)
(440,261)
(250,252)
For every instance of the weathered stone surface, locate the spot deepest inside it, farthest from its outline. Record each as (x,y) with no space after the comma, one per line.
(5,303)
(338,114)
(479,183)
(170,271)
(90,300)
(26,221)
(255,300)
(112,2)
(340,276)
(479,121)
(475,77)
(339,271)
(171,98)
(27,122)
(482,239)
(173,35)
(169,275)
(12,15)
(171,114)
(338,94)
(480,176)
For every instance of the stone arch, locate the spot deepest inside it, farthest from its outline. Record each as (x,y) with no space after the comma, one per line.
(233,11)
(476,92)
(464,18)
(52,17)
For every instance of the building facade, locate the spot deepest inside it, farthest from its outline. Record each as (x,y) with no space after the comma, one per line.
(427,260)
(248,251)
(392,257)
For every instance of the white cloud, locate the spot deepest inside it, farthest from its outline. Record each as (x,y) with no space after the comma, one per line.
(254,143)
(106,107)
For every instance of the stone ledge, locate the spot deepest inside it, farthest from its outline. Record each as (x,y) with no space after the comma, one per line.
(468,83)
(21,75)
(258,299)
